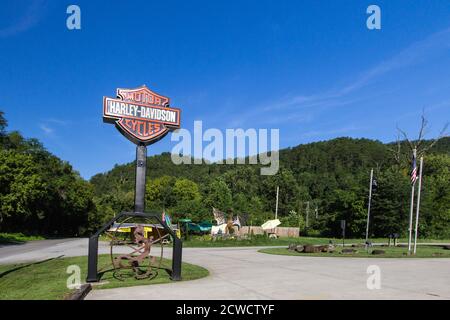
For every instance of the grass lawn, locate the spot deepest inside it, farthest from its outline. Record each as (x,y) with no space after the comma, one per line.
(195,242)
(255,241)
(17,238)
(46,280)
(391,252)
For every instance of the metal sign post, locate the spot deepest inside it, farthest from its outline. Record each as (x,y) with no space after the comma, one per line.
(141,168)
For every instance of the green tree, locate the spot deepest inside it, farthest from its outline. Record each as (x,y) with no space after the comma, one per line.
(435,208)
(21,189)
(3,123)
(218,196)
(186,190)
(390,203)
(159,193)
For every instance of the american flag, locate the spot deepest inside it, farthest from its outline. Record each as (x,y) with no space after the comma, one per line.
(414,169)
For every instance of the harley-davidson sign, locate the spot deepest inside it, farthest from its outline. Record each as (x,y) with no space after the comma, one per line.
(142,115)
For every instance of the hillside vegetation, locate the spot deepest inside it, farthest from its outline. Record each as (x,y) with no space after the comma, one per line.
(41,194)
(333,176)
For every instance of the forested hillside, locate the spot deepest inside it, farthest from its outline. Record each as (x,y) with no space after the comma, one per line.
(41,194)
(333,176)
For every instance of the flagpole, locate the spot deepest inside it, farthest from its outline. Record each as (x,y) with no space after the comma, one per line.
(368,207)
(411,210)
(418,204)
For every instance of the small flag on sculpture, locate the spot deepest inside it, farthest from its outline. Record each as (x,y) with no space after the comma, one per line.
(165,217)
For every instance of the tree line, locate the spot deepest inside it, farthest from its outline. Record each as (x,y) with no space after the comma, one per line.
(327,180)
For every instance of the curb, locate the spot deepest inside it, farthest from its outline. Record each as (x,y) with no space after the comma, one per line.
(81,293)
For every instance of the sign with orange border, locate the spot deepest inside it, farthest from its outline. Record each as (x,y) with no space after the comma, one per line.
(140,114)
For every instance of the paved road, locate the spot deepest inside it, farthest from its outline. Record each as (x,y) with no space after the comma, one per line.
(243,273)
(45,249)
(12,249)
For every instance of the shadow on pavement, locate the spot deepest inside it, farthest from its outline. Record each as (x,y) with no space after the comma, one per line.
(27,265)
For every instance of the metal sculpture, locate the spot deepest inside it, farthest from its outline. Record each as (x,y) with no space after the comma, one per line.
(140,260)
(225,226)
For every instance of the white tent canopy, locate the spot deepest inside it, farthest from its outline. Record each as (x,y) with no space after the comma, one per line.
(271,224)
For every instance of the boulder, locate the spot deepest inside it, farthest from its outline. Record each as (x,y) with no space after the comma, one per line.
(378,251)
(292,246)
(348,251)
(312,249)
(299,248)
(323,248)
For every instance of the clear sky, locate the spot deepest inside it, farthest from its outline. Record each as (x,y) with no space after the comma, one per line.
(310,68)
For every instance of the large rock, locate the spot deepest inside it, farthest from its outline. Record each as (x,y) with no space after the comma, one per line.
(378,251)
(348,251)
(308,248)
(300,248)
(324,248)
(312,249)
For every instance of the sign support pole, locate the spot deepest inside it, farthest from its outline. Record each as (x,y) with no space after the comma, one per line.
(141,166)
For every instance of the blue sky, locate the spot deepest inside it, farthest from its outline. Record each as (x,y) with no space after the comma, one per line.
(310,68)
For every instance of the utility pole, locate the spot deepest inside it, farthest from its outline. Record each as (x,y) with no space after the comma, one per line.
(368,207)
(411,211)
(276,205)
(418,204)
(307,214)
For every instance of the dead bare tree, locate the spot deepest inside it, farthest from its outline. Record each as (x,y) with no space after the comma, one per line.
(420,144)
